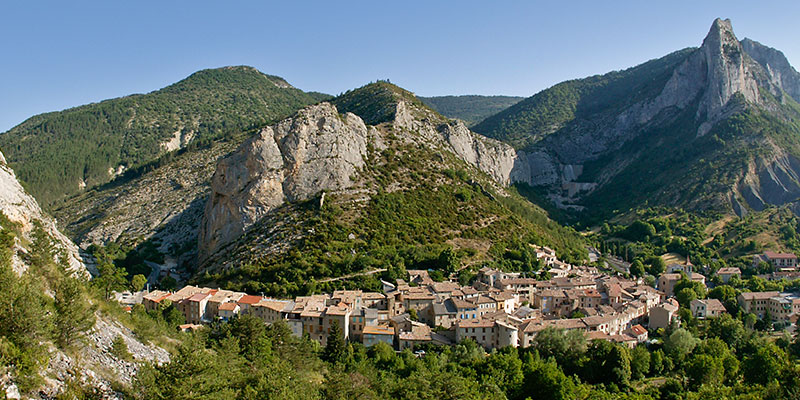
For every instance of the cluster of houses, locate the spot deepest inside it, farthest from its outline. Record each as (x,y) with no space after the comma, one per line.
(499,309)
(786,262)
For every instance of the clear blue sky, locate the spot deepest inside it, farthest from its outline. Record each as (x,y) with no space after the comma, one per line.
(61,54)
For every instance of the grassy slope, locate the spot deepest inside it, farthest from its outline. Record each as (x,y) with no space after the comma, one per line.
(53,152)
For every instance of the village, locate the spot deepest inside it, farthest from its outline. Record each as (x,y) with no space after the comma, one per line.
(499,309)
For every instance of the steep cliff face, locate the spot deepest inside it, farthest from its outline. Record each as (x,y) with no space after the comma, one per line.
(21,208)
(497,159)
(780,72)
(316,150)
(771,180)
(728,71)
(587,141)
(320,149)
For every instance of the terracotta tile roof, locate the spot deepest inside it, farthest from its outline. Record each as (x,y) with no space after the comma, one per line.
(444,287)
(378,330)
(156,296)
(184,293)
(622,338)
(249,299)
(199,297)
(275,305)
(419,296)
(337,310)
(228,306)
(638,330)
(774,255)
(484,300)
(711,304)
(462,304)
(758,295)
(667,306)
(475,324)
(729,270)
(597,335)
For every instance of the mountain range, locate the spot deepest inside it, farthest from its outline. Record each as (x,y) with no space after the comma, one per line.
(235,179)
(62,153)
(708,128)
(712,128)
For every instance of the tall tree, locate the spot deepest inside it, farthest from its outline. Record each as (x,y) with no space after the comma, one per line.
(335,351)
(74,314)
(110,276)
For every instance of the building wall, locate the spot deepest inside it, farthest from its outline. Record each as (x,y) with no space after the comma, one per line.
(373,339)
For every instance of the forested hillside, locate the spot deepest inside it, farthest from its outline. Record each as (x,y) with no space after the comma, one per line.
(470,108)
(570,105)
(711,128)
(60,153)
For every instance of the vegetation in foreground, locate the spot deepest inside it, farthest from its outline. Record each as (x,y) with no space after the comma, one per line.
(247,360)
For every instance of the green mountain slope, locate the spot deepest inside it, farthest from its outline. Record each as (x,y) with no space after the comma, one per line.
(569,104)
(416,204)
(710,128)
(470,108)
(375,103)
(58,154)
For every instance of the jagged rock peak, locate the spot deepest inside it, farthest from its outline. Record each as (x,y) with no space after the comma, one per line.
(317,149)
(727,69)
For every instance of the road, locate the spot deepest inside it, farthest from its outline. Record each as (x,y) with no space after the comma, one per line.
(353,275)
(155,272)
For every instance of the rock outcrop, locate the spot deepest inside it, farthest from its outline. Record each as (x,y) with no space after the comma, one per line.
(495,158)
(728,70)
(20,207)
(773,180)
(318,149)
(777,67)
(321,150)
(94,365)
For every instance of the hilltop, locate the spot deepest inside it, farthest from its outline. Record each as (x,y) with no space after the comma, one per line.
(63,153)
(470,108)
(404,187)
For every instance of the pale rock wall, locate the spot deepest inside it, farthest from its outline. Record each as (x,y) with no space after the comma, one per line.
(313,151)
(22,208)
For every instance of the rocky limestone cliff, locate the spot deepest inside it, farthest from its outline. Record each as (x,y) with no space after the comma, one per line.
(707,78)
(728,71)
(20,207)
(322,150)
(316,150)
(94,365)
(495,158)
(780,72)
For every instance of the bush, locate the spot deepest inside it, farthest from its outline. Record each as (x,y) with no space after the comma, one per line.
(119,349)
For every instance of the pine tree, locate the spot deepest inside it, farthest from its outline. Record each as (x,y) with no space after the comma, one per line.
(74,314)
(335,351)
(111,277)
